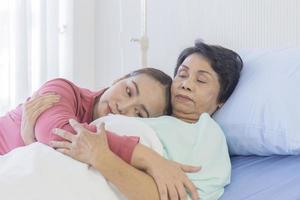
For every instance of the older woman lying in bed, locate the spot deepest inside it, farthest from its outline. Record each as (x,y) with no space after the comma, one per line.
(205,77)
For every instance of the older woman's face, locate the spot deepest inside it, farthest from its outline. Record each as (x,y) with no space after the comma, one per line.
(195,89)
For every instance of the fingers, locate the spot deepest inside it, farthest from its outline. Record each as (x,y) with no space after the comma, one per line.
(102,132)
(166,191)
(64,134)
(60,144)
(64,151)
(37,112)
(100,128)
(189,168)
(45,98)
(172,192)
(41,103)
(29,140)
(162,189)
(181,191)
(186,182)
(36,94)
(76,126)
(191,188)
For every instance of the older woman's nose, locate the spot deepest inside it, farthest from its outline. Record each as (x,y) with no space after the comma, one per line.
(187,85)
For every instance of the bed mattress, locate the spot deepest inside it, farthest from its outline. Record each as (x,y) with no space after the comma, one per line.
(261,178)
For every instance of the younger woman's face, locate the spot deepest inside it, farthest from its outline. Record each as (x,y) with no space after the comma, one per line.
(139,96)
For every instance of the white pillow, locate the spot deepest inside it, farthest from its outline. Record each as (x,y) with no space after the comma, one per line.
(130,126)
(262,116)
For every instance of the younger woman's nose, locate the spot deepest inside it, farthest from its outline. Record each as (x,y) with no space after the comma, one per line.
(126,107)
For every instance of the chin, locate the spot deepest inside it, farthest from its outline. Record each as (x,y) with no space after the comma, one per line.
(183,109)
(182,106)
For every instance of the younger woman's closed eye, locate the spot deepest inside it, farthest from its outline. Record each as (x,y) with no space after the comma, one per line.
(128,91)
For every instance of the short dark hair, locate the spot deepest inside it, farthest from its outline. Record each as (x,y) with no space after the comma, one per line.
(159,76)
(225,62)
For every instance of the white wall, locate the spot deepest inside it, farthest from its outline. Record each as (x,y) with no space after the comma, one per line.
(232,23)
(117,21)
(84,43)
(175,24)
(107,54)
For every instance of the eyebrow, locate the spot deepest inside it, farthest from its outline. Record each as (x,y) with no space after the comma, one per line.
(136,87)
(138,92)
(199,71)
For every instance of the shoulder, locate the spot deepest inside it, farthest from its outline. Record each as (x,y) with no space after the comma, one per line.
(60,86)
(59,82)
(210,128)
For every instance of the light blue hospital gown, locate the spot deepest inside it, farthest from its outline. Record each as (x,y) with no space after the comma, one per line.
(200,144)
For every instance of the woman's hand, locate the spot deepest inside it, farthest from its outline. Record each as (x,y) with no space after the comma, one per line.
(85,146)
(32,109)
(171,179)
(169,176)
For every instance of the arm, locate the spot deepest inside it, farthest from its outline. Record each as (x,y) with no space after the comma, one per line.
(31,111)
(126,178)
(93,150)
(58,115)
(169,176)
(151,165)
(51,110)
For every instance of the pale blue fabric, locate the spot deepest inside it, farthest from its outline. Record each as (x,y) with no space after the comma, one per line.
(200,144)
(262,116)
(262,178)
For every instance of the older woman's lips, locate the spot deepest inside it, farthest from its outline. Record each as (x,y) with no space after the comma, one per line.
(183,98)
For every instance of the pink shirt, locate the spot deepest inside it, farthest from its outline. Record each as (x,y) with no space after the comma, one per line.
(76,103)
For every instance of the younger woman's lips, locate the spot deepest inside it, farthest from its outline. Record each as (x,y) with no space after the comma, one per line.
(109,108)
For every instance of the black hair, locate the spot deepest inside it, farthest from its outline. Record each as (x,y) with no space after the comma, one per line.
(225,62)
(162,78)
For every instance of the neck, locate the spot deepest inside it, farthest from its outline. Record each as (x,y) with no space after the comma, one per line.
(186,118)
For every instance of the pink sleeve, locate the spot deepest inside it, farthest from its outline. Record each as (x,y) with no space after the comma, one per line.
(122,146)
(57,116)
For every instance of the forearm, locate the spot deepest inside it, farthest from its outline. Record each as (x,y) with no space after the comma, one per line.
(144,158)
(167,174)
(134,184)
